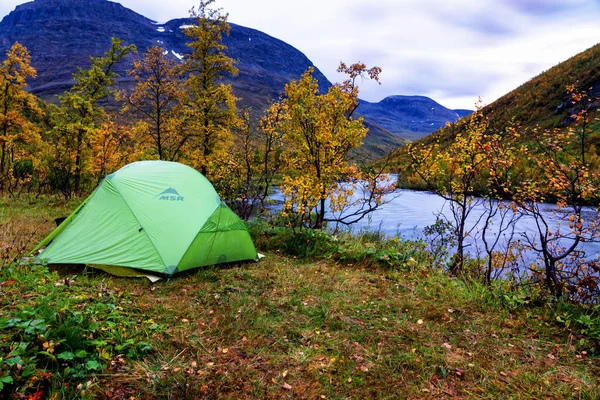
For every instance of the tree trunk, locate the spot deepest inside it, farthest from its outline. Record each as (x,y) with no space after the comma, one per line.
(320,215)
(459,257)
(2,163)
(159,139)
(488,272)
(552,281)
(77,174)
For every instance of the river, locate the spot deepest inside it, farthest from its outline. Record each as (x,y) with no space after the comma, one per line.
(408,212)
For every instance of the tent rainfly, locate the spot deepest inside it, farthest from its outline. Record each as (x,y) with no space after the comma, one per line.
(156,216)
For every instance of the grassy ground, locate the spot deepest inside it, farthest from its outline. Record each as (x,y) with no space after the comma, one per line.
(280,328)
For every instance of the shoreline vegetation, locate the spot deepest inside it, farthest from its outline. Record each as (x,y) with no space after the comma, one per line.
(322,316)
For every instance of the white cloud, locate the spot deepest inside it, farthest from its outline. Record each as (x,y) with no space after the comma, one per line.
(452,51)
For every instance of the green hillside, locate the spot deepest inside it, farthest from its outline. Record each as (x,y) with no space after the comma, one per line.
(542,102)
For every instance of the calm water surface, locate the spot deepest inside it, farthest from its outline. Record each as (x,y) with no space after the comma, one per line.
(409,212)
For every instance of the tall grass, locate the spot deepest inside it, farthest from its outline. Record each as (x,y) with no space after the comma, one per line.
(339,320)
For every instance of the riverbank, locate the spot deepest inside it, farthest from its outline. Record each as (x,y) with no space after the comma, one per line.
(340,326)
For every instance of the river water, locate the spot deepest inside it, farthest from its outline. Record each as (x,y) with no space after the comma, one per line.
(408,212)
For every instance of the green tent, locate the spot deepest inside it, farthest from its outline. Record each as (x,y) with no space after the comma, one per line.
(154,216)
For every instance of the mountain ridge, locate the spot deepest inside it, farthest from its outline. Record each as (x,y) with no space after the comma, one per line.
(62,34)
(56,59)
(543,102)
(411,117)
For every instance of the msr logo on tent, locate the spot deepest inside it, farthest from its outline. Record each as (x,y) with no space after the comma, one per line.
(170,194)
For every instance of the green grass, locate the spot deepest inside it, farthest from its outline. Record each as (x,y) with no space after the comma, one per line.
(287,328)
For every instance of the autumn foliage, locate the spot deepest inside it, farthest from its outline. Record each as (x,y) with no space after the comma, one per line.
(19,136)
(513,173)
(319,132)
(180,110)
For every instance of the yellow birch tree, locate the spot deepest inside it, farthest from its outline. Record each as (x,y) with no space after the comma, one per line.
(157,102)
(319,132)
(19,137)
(210,110)
(453,173)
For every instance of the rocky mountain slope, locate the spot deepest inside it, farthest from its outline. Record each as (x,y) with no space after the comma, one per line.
(62,34)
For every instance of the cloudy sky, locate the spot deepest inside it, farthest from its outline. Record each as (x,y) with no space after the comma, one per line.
(453,51)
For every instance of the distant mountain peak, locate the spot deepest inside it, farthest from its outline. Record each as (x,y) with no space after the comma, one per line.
(411,117)
(68,1)
(407,97)
(44,3)
(62,34)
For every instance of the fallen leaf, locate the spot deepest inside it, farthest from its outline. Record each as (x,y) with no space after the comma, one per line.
(364,368)
(284,373)
(447,345)
(286,386)
(185,320)
(420,322)
(503,373)
(225,350)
